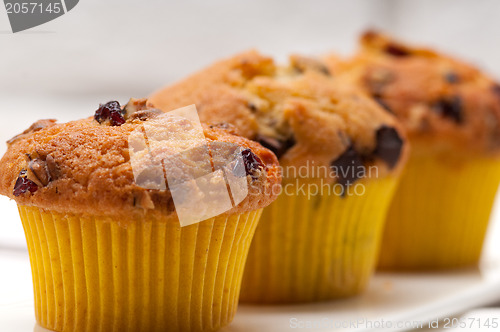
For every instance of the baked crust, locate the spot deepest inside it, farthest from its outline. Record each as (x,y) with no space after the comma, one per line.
(308,116)
(84,167)
(445,104)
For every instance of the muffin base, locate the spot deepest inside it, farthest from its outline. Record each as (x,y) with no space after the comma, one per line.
(144,274)
(440,213)
(316,249)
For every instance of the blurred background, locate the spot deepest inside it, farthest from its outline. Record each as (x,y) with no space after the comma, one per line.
(117,49)
(104,50)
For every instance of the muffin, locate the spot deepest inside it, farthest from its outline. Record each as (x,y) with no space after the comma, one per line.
(451,111)
(340,154)
(107,250)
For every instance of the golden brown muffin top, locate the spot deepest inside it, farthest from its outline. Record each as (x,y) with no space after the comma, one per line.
(442,102)
(299,111)
(85,166)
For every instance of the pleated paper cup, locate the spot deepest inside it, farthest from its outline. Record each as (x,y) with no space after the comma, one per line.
(94,273)
(317,249)
(440,213)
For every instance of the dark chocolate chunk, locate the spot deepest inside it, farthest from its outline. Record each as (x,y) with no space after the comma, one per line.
(396,50)
(348,167)
(278,147)
(253,164)
(452,78)
(389,145)
(450,108)
(23,184)
(110,111)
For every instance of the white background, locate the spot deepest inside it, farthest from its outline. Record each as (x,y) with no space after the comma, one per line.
(116,49)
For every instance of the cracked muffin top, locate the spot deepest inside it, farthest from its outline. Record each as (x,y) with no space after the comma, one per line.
(98,165)
(299,111)
(443,103)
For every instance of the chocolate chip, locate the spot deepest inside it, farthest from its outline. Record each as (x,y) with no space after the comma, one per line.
(450,108)
(396,50)
(383,104)
(112,112)
(23,184)
(278,147)
(389,145)
(452,78)
(253,164)
(37,126)
(347,167)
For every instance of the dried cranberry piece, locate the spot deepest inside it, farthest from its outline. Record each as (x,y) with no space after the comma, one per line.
(396,50)
(450,108)
(252,163)
(389,145)
(347,167)
(23,184)
(278,147)
(110,111)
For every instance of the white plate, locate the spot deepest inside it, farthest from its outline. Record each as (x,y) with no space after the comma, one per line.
(390,299)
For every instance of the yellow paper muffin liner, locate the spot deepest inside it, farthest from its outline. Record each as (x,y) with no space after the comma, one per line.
(316,249)
(144,274)
(440,213)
